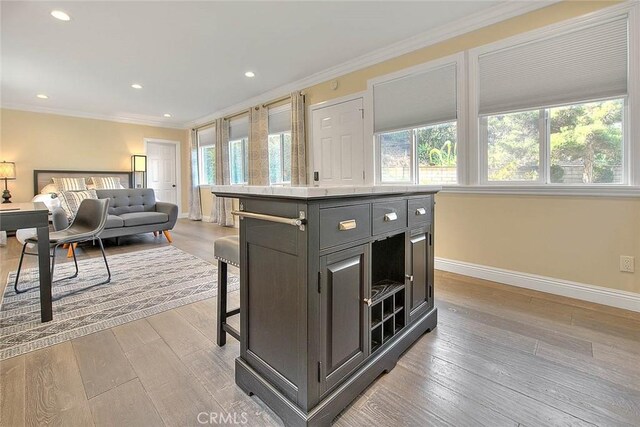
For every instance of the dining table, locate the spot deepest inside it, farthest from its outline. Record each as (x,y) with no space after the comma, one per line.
(15,216)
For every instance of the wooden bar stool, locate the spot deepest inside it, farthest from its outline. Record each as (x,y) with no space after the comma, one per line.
(227,251)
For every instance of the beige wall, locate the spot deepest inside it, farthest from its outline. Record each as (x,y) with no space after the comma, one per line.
(572,238)
(50,141)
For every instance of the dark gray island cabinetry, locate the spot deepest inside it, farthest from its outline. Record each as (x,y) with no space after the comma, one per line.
(336,284)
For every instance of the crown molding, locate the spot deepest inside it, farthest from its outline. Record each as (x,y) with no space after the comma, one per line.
(465,25)
(133,120)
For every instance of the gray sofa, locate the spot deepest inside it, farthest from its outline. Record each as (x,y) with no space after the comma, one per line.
(131,211)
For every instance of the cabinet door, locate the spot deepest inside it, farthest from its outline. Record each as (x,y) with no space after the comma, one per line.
(343,280)
(420,269)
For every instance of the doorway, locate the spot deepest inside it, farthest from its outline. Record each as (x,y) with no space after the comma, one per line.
(163,169)
(338,143)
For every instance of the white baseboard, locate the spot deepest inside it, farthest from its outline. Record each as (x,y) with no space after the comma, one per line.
(566,288)
(183,215)
(206,218)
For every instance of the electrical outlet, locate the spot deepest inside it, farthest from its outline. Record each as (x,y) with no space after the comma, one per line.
(627,264)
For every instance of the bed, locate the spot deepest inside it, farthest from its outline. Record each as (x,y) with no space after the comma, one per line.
(43,177)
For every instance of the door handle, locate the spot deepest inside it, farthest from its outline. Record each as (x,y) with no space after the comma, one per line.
(421,211)
(409,276)
(391,216)
(367,301)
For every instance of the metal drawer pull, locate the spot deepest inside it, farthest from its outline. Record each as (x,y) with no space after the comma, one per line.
(409,276)
(298,222)
(391,216)
(421,211)
(368,301)
(347,225)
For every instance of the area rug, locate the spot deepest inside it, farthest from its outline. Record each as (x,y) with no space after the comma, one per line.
(142,283)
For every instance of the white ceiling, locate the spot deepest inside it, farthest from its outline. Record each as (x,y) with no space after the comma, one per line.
(191,56)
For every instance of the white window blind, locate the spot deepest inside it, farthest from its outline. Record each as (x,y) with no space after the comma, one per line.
(239,128)
(280,119)
(207,136)
(416,100)
(586,64)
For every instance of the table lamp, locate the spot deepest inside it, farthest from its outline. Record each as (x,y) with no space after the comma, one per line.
(7,172)
(139,167)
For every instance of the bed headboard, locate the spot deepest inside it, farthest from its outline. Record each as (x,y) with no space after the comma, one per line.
(43,177)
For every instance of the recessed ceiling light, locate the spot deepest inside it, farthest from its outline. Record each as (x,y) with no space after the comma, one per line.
(58,14)
(136,86)
(250,74)
(42,96)
(167,115)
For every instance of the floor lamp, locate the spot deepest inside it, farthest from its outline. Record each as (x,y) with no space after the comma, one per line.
(139,170)
(7,172)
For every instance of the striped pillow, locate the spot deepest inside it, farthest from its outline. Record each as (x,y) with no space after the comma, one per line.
(70,201)
(70,184)
(106,182)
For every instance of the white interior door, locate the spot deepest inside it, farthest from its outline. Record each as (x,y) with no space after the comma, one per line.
(162,170)
(338,144)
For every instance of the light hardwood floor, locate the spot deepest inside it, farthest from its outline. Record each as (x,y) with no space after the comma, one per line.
(499,356)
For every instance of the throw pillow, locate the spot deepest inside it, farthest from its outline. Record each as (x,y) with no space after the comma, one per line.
(106,182)
(49,189)
(70,184)
(70,201)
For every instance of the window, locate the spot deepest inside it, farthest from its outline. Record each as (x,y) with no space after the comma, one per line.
(238,150)
(551,110)
(280,145)
(238,161)
(584,142)
(433,146)
(280,158)
(416,126)
(207,156)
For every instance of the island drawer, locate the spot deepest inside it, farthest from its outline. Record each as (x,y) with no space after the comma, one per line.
(389,216)
(344,224)
(420,211)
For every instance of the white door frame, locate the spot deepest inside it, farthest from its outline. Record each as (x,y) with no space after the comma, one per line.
(176,145)
(367,160)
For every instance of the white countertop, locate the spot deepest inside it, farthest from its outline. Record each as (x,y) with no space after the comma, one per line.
(309,192)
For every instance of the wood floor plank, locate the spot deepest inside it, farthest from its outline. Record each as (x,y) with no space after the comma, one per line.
(54,391)
(605,394)
(384,408)
(568,391)
(624,377)
(202,316)
(134,334)
(102,362)
(616,357)
(12,388)
(125,405)
(432,401)
(560,340)
(180,335)
(511,403)
(449,320)
(611,325)
(177,394)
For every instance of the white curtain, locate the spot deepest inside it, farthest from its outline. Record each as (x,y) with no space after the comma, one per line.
(298,141)
(195,204)
(259,147)
(221,209)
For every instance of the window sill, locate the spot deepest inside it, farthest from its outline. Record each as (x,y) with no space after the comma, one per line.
(547,190)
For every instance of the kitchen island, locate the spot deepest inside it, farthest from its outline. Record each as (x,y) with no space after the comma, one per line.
(335,284)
